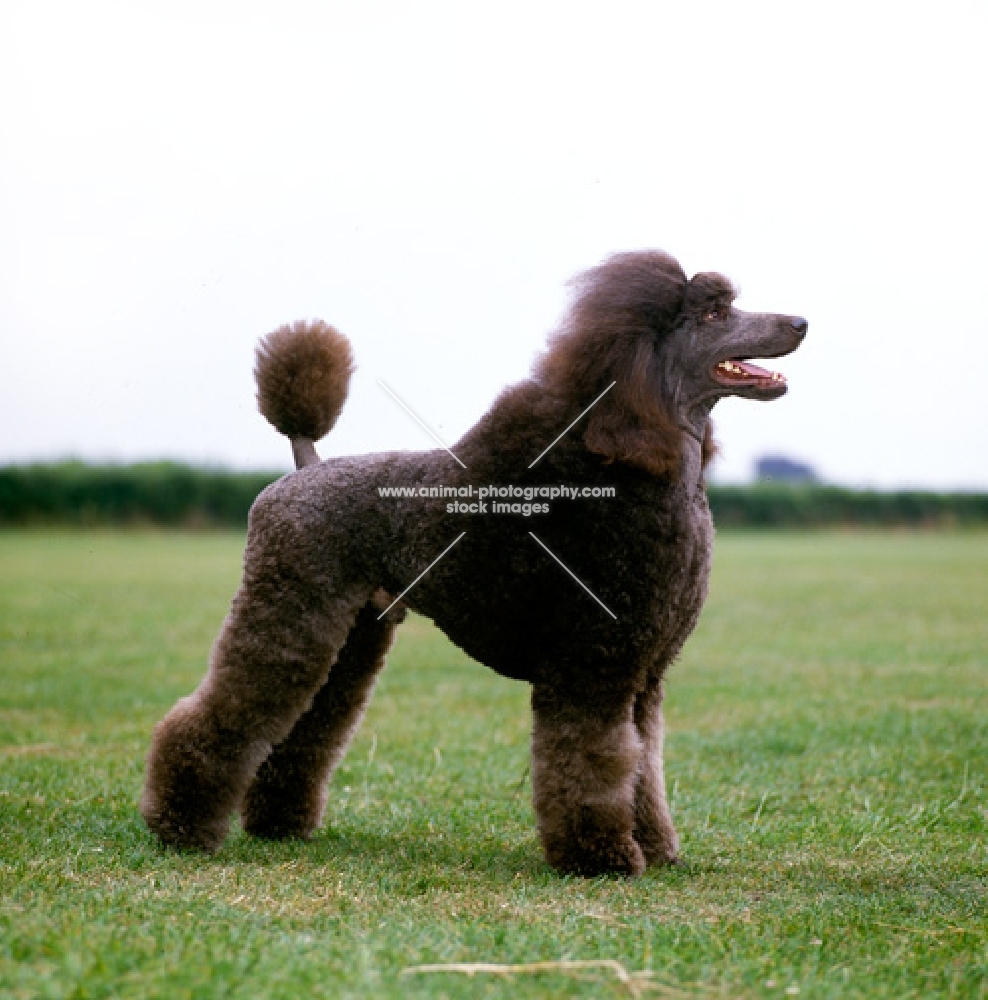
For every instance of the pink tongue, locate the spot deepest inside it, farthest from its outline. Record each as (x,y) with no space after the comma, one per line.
(753,370)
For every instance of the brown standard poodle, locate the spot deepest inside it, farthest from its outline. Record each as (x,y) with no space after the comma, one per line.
(589,602)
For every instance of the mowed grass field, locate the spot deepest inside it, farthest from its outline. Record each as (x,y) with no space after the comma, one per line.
(827,759)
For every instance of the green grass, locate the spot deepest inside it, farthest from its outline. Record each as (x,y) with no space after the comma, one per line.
(828,760)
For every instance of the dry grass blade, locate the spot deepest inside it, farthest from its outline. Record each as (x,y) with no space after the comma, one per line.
(605,918)
(931,931)
(26,749)
(635,982)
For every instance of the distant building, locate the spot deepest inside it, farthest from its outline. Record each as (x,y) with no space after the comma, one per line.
(779,469)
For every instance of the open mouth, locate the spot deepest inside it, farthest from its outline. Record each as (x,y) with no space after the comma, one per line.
(736,372)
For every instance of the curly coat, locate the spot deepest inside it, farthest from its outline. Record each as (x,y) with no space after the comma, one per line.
(295,663)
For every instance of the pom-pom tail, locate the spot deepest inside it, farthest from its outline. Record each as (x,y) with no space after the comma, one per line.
(303,372)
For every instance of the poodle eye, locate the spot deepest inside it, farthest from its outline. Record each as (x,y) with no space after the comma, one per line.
(713,314)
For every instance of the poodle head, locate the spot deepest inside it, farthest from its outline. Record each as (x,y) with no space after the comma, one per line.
(668,348)
(706,355)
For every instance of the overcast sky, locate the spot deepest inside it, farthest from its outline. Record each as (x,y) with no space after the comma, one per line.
(177,179)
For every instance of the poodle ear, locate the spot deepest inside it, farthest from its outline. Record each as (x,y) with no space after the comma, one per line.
(622,310)
(630,424)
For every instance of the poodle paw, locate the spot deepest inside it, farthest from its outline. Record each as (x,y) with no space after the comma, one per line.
(619,857)
(206,838)
(660,856)
(282,809)
(663,860)
(659,842)
(277,828)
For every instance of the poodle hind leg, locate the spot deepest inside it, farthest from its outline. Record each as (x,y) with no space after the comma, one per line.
(287,797)
(585,759)
(654,829)
(274,652)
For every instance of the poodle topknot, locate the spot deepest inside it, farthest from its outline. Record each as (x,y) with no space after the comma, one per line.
(641,359)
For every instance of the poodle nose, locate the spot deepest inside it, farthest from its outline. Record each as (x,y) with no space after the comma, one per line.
(799,325)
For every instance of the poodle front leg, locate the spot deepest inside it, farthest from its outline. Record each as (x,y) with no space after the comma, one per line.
(287,797)
(273,653)
(585,759)
(654,829)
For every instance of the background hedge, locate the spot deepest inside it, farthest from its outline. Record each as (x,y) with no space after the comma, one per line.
(168,493)
(778,506)
(165,493)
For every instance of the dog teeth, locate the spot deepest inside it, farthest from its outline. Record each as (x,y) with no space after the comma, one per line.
(730,368)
